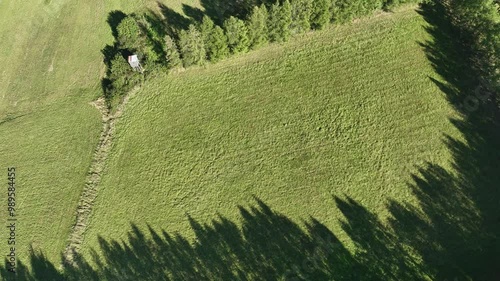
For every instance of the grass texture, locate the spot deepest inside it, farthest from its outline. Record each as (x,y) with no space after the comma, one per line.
(345,111)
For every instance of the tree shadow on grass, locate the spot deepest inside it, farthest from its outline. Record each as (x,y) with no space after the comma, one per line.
(220,10)
(173,21)
(263,245)
(451,234)
(168,21)
(114,19)
(378,248)
(267,246)
(456,227)
(195,13)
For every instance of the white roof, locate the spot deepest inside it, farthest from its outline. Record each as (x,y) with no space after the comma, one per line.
(133,60)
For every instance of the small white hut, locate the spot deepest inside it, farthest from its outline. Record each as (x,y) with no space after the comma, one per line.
(133,60)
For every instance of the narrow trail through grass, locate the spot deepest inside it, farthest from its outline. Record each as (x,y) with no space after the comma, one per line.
(94,175)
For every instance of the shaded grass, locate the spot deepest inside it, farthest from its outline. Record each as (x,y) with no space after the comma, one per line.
(349,110)
(267,246)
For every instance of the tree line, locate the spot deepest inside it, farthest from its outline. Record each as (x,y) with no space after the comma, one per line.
(207,41)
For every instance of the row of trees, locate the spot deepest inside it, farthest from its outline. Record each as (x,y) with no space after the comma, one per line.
(273,23)
(208,41)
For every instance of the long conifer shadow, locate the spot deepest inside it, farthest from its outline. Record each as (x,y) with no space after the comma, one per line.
(378,248)
(220,10)
(267,246)
(452,234)
(264,245)
(456,227)
(173,21)
(195,13)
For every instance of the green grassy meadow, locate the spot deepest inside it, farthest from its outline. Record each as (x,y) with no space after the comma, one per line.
(50,50)
(242,166)
(348,111)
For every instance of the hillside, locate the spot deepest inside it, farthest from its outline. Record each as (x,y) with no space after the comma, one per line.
(362,151)
(349,111)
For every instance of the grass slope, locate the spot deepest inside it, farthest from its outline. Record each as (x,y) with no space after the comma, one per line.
(346,111)
(50,50)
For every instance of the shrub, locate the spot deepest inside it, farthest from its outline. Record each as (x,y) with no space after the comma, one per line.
(122,78)
(129,34)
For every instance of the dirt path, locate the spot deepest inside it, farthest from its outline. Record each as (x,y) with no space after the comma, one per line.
(94,176)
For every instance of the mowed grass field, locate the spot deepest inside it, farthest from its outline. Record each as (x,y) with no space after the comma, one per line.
(52,66)
(348,111)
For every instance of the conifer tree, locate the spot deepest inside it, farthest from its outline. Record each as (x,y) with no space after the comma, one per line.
(192,47)
(217,48)
(215,40)
(171,53)
(274,23)
(320,13)
(301,15)
(206,28)
(286,19)
(280,18)
(257,27)
(343,10)
(237,35)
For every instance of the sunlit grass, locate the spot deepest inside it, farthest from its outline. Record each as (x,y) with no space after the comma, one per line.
(52,67)
(346,111)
